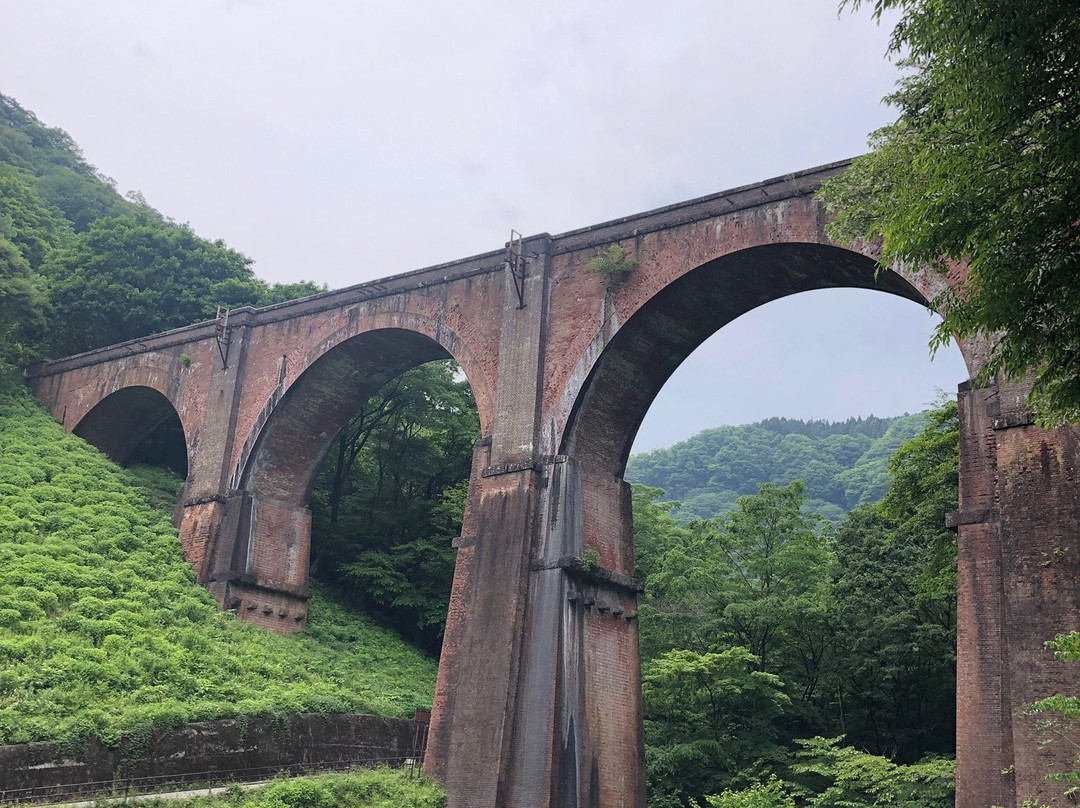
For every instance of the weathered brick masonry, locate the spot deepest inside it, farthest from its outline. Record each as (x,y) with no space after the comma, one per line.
(538,701)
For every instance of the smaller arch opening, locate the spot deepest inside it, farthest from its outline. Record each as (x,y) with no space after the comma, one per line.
(139,428)
(358,479)
(389,497)
(137,425)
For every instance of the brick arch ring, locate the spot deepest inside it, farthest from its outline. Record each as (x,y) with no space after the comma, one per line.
(423,338)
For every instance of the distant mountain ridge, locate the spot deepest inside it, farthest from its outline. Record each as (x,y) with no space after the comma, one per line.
(844,463)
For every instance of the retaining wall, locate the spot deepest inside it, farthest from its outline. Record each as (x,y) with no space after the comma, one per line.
(209,751)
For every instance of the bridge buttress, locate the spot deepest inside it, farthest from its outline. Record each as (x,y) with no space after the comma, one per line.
(217,524)
(538,702)
(1018,563)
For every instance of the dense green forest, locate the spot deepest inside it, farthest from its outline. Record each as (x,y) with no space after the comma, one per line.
(760,628)
(390,497)
(81,266)
(844,464)
(784,657)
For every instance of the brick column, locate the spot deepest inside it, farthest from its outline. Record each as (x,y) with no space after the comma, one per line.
(206,490)
(984,752)
(1018,568)
(578,727)
(478,686)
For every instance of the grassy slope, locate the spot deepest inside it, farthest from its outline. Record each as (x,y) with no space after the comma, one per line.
(103,629)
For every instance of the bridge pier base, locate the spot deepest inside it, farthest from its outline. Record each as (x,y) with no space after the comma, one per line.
(544,596)
(266,585)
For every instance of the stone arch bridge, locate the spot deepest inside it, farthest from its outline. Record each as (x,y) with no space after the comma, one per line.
(538,701)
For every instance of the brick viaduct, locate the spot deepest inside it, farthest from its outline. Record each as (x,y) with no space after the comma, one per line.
(538,701)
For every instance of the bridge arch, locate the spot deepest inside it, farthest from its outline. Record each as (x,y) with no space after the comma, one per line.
(299,427)
(122,420)
(262,555)
(623,378)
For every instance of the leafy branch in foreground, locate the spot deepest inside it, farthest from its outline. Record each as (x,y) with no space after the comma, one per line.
(1059,714)
(981,169)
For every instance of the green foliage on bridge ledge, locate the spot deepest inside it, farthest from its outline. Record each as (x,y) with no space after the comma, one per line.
(103,629)
(613,264)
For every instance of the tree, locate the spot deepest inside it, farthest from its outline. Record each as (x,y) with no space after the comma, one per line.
(390,497)
(762,576)
(858,624)
(848,778)
(130,276)
(23,305)
(709,722)
(981,168)
(892,679)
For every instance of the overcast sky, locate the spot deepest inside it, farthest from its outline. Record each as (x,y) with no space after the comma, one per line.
(341,141)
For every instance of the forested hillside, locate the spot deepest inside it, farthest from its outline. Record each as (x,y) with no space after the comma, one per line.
(844,464)
(760,630)
(103,628)
(81,266)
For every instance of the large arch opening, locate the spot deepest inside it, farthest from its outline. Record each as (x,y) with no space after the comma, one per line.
(648,349)
(695,618)
(358,480)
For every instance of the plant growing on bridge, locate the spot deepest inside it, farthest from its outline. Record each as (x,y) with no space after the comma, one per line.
(613,264)
(589,560)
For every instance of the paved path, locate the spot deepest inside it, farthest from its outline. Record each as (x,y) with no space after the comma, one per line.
(163,795)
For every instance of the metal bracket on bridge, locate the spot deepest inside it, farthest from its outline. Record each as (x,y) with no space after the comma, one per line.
(223,336)
(518,264)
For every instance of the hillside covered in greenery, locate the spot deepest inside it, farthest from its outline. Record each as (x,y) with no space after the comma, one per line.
(103,628)
(844,464)
(366,788)
(81,266)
